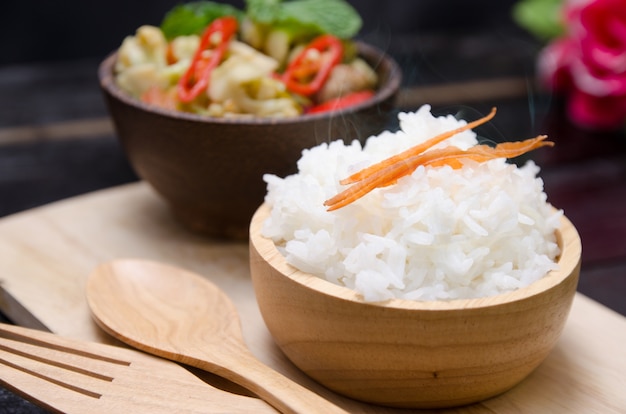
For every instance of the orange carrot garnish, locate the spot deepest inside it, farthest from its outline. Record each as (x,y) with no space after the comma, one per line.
(418,149)
(389,171)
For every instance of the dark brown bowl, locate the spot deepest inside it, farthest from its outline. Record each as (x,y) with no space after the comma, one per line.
(210,170)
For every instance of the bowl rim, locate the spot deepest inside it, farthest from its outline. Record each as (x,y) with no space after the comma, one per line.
(386,91)
(569,260)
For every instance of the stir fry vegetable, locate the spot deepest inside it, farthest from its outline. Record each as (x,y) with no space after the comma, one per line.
(390,170)
(311,68)
(276,58)
(208,56)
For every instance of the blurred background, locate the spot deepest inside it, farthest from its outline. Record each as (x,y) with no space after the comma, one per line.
(44,31)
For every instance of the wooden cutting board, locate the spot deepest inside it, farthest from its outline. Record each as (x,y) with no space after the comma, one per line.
(47,253)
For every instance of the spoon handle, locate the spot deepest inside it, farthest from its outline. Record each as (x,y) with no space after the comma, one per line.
(282,393)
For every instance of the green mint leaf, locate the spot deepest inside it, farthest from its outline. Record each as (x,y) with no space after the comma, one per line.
(192,18)
(336,17)
(263,11)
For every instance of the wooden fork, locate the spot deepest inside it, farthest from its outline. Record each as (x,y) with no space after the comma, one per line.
(70,376)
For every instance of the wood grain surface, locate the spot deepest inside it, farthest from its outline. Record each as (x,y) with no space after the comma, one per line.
(47,253)
(102,379)
(179,315)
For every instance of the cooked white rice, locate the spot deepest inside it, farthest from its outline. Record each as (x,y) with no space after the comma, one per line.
(437,234)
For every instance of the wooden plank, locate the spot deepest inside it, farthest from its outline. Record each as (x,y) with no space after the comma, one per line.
(468,92)
(83,128)
(46,254)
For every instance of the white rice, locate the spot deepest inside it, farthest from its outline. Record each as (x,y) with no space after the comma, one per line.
(437,234)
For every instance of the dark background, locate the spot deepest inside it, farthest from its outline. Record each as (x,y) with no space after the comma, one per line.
(44,30)
(450,52)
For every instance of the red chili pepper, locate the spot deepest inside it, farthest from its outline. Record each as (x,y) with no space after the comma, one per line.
(196,78)
(342,102)
(298,72)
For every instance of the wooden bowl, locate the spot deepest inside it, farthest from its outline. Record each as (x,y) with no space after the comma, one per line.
(419,354)
(210,170)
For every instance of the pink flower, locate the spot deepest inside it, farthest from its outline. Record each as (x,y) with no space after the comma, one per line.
(588,64)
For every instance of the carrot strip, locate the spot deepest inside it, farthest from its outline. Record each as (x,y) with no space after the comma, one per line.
(387,176)
(512,149)
(482,153)
(452,156)
(418,149)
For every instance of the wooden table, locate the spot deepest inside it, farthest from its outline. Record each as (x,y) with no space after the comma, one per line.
(47,253)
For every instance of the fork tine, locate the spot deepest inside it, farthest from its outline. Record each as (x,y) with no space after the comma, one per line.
(57,367)
(53,350)
(70,376)
(34,387)
(48,340)
(42,366)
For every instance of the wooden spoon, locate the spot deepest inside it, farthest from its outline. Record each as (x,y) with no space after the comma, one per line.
(178,315)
